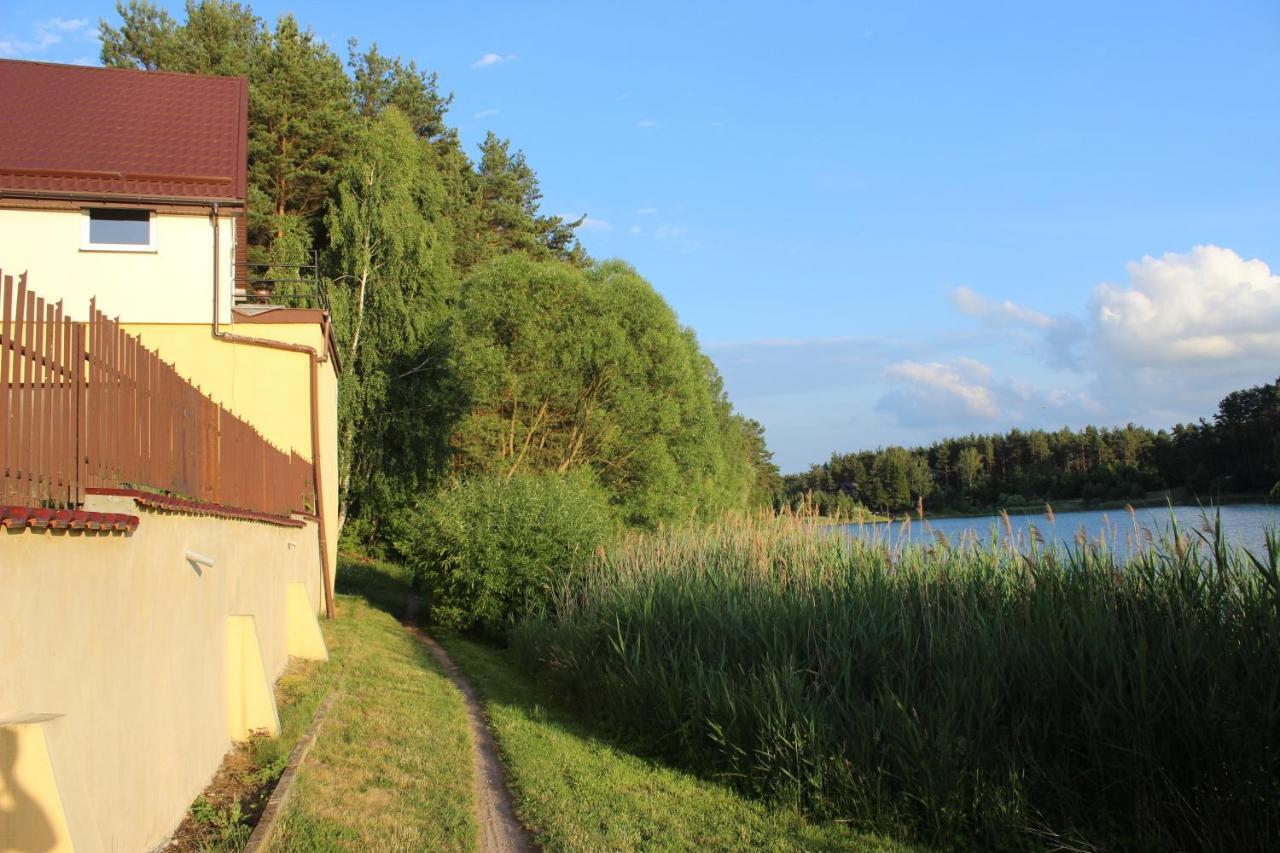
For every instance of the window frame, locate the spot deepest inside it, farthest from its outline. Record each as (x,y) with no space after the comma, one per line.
(87,245)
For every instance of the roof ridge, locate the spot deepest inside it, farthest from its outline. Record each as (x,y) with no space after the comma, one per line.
(113,68)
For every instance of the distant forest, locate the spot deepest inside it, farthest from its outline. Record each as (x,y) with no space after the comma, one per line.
(1238,452)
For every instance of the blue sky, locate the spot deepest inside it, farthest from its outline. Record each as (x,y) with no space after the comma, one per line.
(887,223)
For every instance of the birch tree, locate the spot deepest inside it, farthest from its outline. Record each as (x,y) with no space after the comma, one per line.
(390,250)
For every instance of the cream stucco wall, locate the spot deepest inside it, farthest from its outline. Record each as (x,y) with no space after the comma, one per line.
(125,642)
(173,284)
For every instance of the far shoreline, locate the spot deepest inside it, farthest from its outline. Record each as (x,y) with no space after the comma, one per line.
(1065,506)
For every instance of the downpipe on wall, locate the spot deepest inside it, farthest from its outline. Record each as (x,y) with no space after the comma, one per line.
(316,359)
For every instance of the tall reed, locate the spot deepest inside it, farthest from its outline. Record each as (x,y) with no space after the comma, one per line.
(966,695)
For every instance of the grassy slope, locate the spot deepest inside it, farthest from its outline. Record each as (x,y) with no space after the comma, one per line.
(391,769)
(578,791)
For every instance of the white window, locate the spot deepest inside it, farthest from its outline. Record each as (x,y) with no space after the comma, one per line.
(118,229)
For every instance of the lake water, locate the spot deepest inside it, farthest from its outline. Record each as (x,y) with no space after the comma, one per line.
(1243,524)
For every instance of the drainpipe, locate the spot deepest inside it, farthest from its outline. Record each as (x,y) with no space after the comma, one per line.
(316,359)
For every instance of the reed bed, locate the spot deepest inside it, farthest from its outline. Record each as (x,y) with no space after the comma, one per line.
(987,694)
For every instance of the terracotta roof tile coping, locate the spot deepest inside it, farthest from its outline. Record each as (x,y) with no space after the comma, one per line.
(18,517)
(168,503)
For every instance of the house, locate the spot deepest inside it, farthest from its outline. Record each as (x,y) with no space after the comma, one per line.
(168,451)
(111,180)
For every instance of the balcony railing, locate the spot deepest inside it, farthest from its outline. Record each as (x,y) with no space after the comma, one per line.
(287,285)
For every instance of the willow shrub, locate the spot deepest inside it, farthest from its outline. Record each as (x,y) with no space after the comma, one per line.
(489,548)
(974,696)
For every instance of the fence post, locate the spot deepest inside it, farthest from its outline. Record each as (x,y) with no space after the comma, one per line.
(6,390)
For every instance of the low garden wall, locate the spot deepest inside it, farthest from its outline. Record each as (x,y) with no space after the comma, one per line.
(132,660)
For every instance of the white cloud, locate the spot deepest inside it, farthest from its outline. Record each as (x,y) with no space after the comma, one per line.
(957,391)
(972,367)
(44,35)
(1057,340)
(490,59)
(647,211)
(973,304)
(1205,309)
(485,113)
(646,123)
(595,224)
(1201,310)
(1165,346)
(964,393)
(635,229)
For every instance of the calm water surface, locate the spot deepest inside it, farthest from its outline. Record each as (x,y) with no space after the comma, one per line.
(1243,524)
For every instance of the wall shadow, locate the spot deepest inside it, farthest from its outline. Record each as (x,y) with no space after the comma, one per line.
(24,826)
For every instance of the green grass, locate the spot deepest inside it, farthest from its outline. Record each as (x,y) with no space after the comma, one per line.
(578,791)
(975,697)
(391,768)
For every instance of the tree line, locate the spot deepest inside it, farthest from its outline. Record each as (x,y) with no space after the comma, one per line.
(1237,452)
(477,337)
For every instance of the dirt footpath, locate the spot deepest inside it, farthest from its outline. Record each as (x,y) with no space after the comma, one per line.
(500,830)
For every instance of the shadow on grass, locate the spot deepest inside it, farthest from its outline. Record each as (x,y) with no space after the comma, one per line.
(385,586)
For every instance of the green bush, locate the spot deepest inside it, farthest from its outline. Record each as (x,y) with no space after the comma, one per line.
(491,547)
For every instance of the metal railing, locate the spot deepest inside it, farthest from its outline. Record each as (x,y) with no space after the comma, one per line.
(289,285)
(86,405)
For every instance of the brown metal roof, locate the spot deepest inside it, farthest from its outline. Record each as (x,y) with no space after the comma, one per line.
(110,131)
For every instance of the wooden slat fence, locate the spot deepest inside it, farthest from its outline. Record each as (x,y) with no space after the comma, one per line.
(85,405)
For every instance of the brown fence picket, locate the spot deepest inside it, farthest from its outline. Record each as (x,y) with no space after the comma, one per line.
(6,390)
(86,405)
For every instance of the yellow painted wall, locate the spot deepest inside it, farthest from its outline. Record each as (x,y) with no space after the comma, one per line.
(268,388)
(126,640)
(251,705)
(306,641)
(328,390)
(173,284)
(31,807)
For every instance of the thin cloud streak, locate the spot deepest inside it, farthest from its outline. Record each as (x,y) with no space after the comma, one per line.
(491,59)
(44,35)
